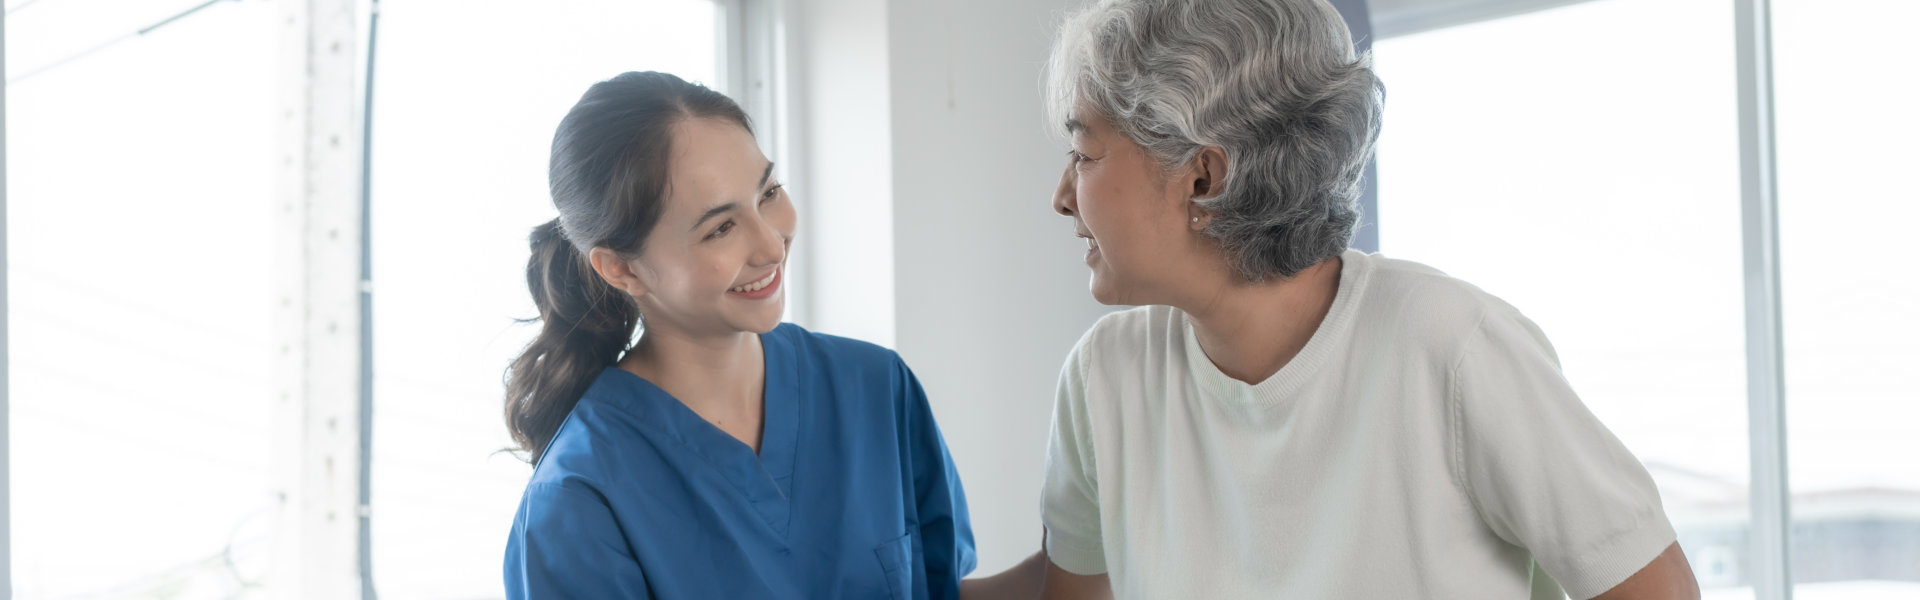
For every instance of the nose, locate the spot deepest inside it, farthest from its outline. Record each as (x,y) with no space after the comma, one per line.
(1064,201)
(769,243)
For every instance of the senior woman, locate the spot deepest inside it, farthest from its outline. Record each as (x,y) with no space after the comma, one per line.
(1282,417)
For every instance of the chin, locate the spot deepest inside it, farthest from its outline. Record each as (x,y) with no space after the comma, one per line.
(1104,291)
(760,322)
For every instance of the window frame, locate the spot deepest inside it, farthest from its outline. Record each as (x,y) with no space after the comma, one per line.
(6,475)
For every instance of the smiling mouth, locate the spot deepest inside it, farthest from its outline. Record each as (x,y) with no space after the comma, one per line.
(1093,250)
(757,285)
(1092,244)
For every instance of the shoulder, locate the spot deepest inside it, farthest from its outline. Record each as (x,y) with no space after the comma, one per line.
(839,370)
(1123,341)
(1396,285)
(1421,309)
(1425,307)
(608,421)
(832,349)
(1120,332)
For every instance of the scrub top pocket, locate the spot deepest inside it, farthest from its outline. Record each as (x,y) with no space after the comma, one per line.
(896,561)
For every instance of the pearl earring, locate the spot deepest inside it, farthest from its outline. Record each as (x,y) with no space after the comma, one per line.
(1196,219)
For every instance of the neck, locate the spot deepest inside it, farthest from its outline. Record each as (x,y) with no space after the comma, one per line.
(1252,330)
(721,374)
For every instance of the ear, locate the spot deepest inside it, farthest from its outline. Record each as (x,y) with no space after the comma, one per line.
(617,271)
(1206,172)
(1209,168)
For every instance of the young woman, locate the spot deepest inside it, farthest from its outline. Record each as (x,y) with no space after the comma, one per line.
(724,455)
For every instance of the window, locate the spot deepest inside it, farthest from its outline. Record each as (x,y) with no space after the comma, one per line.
(1594,185)
(142,292)
(466,99)
(1851,308)
(141,309)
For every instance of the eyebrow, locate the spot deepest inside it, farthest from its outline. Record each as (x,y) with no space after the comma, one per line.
(1074,126)
(728,207)
(714,212)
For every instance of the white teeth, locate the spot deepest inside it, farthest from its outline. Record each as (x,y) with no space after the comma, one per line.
(1090,244)
(757,285)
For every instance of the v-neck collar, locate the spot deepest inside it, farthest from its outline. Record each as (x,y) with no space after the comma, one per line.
(1355,268)
(766,478)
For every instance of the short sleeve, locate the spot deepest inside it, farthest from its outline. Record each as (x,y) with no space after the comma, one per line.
(566,544)
(1070,497)
(946,533)
(1542,471)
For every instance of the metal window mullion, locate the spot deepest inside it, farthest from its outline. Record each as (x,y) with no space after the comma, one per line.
(1768,564)
(6,489)
(318,358)
(364,512)
(1366,236)
(729,66)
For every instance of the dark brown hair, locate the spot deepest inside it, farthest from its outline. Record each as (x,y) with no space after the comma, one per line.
(608,177)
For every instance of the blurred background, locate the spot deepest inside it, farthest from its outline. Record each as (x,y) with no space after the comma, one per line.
(264,259)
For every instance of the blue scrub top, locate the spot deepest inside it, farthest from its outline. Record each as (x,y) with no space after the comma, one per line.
(853,494)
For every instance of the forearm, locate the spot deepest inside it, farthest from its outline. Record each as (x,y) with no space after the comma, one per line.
(1061,584)
(1667,577)
(1022,582)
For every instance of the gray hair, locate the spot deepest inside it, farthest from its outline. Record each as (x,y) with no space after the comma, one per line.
(1276,84)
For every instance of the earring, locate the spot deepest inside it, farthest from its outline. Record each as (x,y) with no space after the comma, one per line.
(1196,219)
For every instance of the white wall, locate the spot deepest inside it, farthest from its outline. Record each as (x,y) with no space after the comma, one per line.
(838,58)
(991,284)
(986,290)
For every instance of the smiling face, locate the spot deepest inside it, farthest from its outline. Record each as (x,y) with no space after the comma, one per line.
(715,262)
(1142,240)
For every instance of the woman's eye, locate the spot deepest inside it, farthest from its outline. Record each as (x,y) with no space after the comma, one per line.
(721,230)
(771,193)
(1076,157)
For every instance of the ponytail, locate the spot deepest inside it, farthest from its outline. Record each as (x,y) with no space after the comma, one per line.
(585,324)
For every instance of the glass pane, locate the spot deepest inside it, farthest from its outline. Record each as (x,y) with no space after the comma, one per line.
(466,99)
(1846,99)
(140,224)
(1594,185)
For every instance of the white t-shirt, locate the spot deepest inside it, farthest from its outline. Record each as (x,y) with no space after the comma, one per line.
(1422,445)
